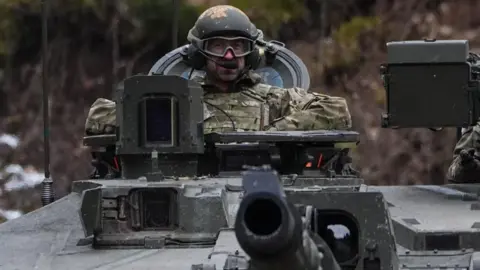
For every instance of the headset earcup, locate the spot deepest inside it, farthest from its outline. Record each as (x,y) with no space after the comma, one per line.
(194,58)
(254,59)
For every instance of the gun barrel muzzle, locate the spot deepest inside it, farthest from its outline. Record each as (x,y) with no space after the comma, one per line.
(266,225)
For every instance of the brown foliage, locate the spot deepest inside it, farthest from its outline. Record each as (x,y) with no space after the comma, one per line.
(384,156)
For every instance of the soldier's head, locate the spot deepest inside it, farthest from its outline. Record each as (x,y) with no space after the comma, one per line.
(223,41)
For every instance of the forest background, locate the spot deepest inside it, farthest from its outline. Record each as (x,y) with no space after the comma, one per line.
(96,43)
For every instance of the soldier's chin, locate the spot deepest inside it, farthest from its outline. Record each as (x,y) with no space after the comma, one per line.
(228,77)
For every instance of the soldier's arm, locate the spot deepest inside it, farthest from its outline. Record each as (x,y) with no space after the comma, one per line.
(297,109)
(101,117)
(466,171)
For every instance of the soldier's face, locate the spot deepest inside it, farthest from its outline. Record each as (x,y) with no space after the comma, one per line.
(227,50)
(223,73)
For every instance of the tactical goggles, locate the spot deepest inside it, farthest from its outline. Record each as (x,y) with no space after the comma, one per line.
(218,46)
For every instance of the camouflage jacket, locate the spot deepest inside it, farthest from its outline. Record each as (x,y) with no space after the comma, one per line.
(250,105)
(470,140)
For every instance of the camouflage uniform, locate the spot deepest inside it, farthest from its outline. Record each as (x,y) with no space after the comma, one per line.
(465,166)
(251,106)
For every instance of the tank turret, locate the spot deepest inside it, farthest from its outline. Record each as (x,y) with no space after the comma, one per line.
(160,134)
(162,150)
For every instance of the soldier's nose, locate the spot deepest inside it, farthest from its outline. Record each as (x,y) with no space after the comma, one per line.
(228,55)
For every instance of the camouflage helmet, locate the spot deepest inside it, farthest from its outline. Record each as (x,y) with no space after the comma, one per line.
(222,20)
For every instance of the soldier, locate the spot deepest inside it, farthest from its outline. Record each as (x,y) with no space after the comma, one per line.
(222,42)
(465,167)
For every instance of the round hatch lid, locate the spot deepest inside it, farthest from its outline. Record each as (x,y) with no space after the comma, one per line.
(287,70)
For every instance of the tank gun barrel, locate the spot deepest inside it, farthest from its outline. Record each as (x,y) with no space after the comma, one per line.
(269,229)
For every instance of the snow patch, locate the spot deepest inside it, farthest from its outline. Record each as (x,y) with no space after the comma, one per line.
(14,176)
(21,177)
(10,140)
(10,214)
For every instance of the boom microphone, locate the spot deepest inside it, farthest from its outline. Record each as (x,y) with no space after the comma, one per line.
(229,64)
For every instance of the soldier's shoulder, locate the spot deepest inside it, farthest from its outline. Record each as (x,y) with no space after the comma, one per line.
(100,116)
(101,108)
(266,89)
(102,103)
(198,77)
(471,129)
(298,92)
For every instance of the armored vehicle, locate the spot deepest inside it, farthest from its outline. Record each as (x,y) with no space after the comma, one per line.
(179,201)
(182,199)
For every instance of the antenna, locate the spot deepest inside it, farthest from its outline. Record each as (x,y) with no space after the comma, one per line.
(175,4)
(323,28)
(47,184)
